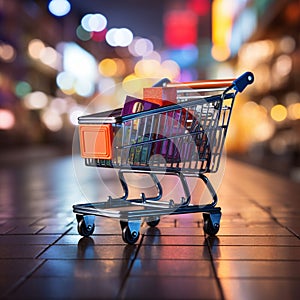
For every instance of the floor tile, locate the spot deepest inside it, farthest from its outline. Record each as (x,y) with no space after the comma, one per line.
(260,289)
(85,268)
(89,251)
(171,288)
(55,229)
(257,269)
(178,268)
(173,252)
(174,231)
(7,284)
(15,270)
(26,229)
(77,287)
(223,240)
(95,239)
(251,230)
(20,251)
(174,240)
(257,252)
(5,228)
(100,229)
(28,239)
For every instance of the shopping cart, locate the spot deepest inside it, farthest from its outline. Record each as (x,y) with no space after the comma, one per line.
(185,139)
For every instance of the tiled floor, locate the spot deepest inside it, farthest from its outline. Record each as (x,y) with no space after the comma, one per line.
(256,254)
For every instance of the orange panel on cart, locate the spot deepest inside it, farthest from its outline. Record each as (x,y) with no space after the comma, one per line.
(96,141)
(160,95)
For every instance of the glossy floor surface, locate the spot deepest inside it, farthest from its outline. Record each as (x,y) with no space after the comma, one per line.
(256,254)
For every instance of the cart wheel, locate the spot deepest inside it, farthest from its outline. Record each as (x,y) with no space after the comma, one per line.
(130,237)
(85,230)
(154,222)
(209,227)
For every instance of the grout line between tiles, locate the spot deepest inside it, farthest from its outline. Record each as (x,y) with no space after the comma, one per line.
(214,270)
(22,280)
(119,295)
(269,212)
(38,256)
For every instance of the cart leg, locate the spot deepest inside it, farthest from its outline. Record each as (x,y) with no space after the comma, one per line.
(125,186)
(211,224)
(158,187)
(86,224)
(210,188)
(130,231)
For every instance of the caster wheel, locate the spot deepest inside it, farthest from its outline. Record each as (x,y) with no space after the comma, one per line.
(209,227)
(130,237)
(85,230)
(153,223)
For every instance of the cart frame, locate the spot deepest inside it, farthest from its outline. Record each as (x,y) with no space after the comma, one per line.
(200,118)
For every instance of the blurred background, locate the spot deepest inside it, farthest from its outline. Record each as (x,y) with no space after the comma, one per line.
(57,57)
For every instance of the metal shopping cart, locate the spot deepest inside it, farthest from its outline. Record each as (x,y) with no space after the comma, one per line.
(184,139)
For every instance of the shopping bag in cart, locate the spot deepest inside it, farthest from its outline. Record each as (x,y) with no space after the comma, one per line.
(181,136)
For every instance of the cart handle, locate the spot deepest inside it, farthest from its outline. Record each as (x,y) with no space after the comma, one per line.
(243,81)
(203,84)
(239,83)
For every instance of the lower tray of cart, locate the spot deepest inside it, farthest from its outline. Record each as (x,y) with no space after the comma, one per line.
(132,213)
(134,209)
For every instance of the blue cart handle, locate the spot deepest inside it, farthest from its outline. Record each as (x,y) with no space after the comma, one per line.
(243,81)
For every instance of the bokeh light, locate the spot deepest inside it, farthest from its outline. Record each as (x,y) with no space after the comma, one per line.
(170,69)
(65,81)
(94,22)
(52,120)
(98,36)
(35,100)
(106,86)
(119,37)
(84,88)
(147,68)
(7,53)
(35,47)
(97,22)
(50,57)
(294,111)
(22,88)
(60,105)
(186,56)
(287,44)
(108,67)
(83,34)
(140,47)
(75,113)
(278,113)
(7,119)
(59,8)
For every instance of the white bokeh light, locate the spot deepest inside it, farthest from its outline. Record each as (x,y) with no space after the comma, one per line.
(76,112)
(97,22)
(59,8)
(36,100)
(65,80)
(7,119)
(94,22)
(85,22)
(140,47)
(119,37)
